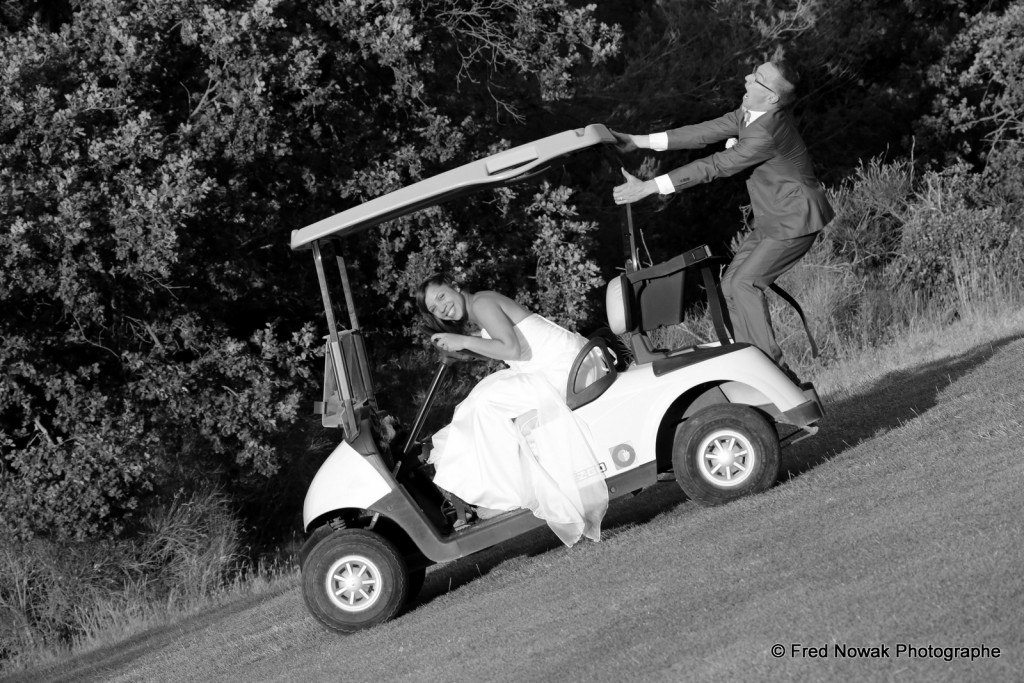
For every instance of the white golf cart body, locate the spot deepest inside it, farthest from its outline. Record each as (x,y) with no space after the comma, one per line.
(635,412)
(624,422)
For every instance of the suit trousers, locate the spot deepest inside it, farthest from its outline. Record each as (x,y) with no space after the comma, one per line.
(758,262)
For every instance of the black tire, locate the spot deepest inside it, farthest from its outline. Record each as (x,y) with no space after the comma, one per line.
(319,534)
(354,579)
(724,452)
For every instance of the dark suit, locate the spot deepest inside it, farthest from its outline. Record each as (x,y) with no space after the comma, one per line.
(788,203)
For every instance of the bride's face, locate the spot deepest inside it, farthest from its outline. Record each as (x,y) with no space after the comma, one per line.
(444,302)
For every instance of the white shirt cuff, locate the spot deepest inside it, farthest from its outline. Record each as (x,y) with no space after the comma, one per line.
(665,185)
(659,141)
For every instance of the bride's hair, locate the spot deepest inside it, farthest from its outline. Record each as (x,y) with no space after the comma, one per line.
(431,323)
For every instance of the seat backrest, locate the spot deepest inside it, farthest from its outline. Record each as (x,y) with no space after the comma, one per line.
(658,296)
(646,299)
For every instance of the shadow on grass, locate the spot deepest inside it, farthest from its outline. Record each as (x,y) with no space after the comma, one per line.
(895,399)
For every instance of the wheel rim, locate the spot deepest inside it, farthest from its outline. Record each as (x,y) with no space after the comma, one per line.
(354,583)
(726,458)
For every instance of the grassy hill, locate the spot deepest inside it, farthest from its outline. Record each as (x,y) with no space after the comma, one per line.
(899,524)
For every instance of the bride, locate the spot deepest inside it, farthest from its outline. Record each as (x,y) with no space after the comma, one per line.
(545,462)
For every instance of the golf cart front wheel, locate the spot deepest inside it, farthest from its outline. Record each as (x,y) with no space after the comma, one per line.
(354,579)
(725,452)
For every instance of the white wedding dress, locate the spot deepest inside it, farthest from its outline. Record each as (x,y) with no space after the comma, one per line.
(544,461)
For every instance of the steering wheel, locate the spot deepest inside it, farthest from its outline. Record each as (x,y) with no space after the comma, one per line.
(448,359)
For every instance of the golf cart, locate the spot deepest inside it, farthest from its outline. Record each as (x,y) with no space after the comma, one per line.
(708,414)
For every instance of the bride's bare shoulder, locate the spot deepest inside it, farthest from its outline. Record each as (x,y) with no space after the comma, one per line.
(496,300)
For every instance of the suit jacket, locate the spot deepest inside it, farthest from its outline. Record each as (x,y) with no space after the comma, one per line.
(787,199)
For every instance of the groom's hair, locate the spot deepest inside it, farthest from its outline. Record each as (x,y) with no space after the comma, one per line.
(431,323)
(789,74)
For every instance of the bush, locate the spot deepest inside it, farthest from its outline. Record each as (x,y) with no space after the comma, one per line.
(98,447)
(979,93)
(869,213)
(952,240)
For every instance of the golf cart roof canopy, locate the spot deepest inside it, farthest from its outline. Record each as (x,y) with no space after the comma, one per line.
(502,168)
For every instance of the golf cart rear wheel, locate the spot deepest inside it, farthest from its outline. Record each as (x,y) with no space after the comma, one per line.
(354,579)
(725,452)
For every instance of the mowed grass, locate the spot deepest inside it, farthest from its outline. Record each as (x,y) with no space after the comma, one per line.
(900,523)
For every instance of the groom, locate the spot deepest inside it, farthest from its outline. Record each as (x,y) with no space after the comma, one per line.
(788,202)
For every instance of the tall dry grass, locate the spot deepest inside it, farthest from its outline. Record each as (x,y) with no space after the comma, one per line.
(904,252)
(58,597)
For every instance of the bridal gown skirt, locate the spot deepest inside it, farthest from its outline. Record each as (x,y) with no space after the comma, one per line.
(513,443)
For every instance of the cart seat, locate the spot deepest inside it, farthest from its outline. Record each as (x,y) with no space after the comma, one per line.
(652,298)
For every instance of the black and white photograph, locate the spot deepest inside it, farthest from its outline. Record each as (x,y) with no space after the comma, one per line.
(511,340)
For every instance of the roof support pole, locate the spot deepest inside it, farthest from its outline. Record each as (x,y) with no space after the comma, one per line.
(348,421)
(350,302)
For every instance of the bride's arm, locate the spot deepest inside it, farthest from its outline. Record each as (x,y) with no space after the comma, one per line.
(503,344)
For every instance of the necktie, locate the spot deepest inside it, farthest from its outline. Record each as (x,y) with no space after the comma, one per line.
(746,117)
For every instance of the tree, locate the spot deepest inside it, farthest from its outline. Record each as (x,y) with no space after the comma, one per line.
(976,112)
(861,61)
(154,157)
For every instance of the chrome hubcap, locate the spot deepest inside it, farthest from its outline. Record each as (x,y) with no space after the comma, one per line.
(354,583)
(726,458)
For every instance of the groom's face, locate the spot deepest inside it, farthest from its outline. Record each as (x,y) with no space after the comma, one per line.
(761,87)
